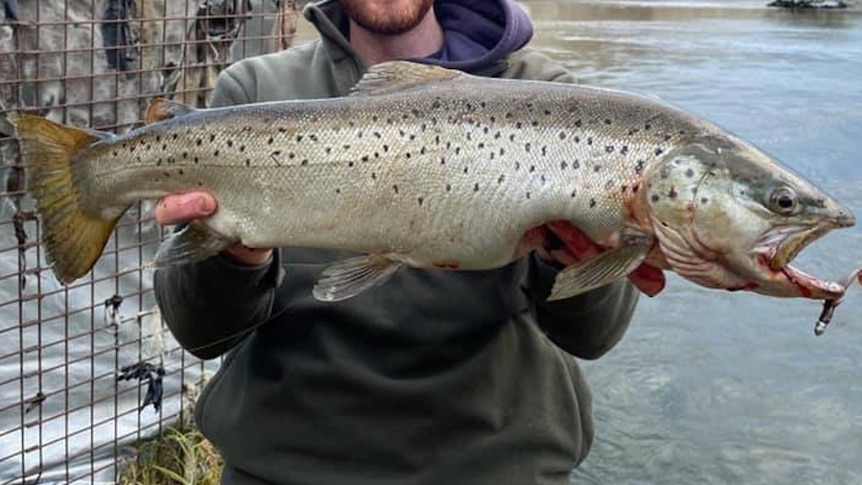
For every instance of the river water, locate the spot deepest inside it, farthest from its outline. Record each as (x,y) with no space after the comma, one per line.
(710,386)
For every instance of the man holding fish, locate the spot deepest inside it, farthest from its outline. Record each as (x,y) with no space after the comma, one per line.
(435,377)
(439,230)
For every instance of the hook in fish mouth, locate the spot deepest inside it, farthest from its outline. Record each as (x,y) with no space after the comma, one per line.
(779,246)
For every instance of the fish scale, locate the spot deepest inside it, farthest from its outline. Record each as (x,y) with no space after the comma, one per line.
(427,167)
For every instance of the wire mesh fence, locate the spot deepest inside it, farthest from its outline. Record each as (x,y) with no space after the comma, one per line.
(88,369)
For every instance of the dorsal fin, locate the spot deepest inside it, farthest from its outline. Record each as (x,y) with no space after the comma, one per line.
(161,109)
(393,76)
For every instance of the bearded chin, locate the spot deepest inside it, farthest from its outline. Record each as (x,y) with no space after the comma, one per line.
(397,18)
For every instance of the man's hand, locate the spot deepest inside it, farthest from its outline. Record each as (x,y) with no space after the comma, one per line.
(565,244)
(179,208)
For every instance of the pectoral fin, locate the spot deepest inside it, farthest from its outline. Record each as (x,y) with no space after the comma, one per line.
(350,277)
(195,242)
(598,271)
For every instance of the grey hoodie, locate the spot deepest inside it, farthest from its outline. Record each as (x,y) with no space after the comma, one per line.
(435,377)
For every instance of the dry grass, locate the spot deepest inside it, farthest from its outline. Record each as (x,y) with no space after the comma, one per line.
(176,457)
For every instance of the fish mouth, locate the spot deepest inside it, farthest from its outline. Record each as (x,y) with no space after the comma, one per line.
(778,247)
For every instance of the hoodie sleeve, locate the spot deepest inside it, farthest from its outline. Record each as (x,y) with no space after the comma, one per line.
(211,305)
(588,325)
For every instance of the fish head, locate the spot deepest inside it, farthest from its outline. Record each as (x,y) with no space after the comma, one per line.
(727,215)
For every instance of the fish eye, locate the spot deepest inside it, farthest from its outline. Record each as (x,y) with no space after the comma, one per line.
(784,201)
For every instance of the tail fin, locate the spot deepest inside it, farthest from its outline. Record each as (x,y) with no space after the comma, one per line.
(74,239)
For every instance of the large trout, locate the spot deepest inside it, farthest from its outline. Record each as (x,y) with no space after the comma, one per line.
(432,168)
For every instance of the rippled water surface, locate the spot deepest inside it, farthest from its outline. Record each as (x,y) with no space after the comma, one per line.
(709,386)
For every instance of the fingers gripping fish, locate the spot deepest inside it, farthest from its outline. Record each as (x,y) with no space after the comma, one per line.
(431,168)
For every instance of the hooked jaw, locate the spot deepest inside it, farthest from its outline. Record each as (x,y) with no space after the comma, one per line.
(781,245)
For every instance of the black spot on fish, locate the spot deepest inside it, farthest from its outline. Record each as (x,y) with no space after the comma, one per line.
(672,193)
(562,135)
(532,168)
(528,195)
(519,125)
(509,115)
(647,126)
(639,167)
(290,155)
(181,172)
(242,148)
(373,175)
(328,150)
(212,137)
(164,146)
(609,149)
(480,145)
(422,150)
(689,173)
(597,168)
(385,148)
(115,153)
(527,146)
(547,112)
(476,187)
(158,162)
(576,164)
(197,160)
(346,146)
(442,160)
(502,151)
(544,151)
(592,203)
(704,200)
(198,142)
(270,141)
(577,139)
(247,162)
(350,163)
(564,164)
(511,137)
(610,184)
(174,136)
(448,187)
(420,200)
(667,137)
(299,138)
(395,188)
(230,143)
(465,169)
(534,123)
(457,150)
(658,151)
(578,123)
(501,178)
(654,198)
(624,150)
(607,121)
(517,166)
(216,153)
(364,158)
(337,190)
(574,193)
(282,129)
(185,155)
(590,140)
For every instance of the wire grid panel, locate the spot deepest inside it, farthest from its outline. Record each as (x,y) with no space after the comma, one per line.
(81,365)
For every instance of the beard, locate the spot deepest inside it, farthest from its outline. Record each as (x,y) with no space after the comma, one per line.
(387,17)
